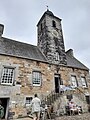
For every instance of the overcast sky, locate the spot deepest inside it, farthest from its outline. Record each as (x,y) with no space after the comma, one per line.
(20,18)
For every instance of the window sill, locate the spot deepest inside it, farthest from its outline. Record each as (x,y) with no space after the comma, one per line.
(36,85)
(6,84)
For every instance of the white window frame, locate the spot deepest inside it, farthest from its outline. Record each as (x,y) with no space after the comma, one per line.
(28,102)
(83,82)
(36,76)
(6,81)
(74,81)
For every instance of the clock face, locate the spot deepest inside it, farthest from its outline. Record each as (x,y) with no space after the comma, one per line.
(55,33)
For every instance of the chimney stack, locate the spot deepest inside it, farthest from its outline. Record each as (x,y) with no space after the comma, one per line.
(1,29)
(70,52)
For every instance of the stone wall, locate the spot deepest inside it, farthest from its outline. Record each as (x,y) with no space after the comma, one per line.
(24,67)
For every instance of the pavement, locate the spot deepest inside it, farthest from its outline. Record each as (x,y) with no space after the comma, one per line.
(26,118)
(84,116)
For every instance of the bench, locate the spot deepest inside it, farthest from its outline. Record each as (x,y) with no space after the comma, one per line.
(72,112)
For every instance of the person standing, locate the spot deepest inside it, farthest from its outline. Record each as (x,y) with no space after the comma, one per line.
(35,104)
(1,110)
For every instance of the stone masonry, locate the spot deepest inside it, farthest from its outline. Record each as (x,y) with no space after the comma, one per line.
(24,68)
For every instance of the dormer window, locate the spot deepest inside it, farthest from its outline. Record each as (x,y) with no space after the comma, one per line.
(53,23)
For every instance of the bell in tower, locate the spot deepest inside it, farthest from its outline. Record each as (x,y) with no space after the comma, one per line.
(50,38)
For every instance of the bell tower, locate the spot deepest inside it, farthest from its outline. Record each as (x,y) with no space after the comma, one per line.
(50,38)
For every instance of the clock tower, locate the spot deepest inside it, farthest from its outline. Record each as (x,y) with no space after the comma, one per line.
(50,38)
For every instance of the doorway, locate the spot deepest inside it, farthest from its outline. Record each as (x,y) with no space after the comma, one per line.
(57,82)
(5,104)
(88,101)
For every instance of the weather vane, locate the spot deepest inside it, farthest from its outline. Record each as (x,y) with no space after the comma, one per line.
(47,7)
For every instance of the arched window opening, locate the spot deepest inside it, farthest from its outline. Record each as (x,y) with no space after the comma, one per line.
(53,23)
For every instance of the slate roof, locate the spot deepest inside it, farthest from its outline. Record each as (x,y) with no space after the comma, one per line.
(19,49)
(24,50)
(73,62)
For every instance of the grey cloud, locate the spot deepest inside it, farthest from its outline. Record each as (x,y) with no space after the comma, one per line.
(21,16)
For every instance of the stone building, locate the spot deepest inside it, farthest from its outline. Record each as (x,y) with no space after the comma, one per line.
(27,69)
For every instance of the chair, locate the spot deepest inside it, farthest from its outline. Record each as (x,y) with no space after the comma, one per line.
(67,109)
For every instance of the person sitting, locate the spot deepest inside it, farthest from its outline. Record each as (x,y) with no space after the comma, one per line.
(74,108)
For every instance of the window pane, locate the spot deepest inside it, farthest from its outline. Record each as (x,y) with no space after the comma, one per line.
(36,78)
(28,101)
(83,80)
(74,81)
(7,75)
